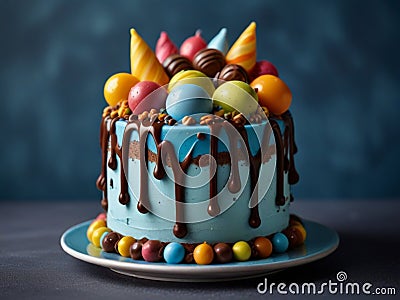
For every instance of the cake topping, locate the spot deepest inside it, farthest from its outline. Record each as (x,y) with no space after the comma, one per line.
(174,253)
(220,41)
(263,67)
(241,251)
(188,99)
(192,45)
(152,251)
(243,51)
(144,63)
(117,87)
(175,63)
(209,61)
(203,254)
(233,72)
(192,77)
(150,91)
(223,253)
(273,93)
(236,96)
(165,47)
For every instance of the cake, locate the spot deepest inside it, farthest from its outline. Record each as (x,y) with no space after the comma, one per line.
(197,155)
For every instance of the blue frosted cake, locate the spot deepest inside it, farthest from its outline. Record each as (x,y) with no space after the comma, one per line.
(197,155)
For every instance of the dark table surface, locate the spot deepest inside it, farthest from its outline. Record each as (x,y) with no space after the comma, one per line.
(33,265)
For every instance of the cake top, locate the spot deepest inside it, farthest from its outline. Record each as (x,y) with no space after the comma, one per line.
(188,84)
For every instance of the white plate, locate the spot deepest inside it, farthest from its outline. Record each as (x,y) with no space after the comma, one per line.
(321,241)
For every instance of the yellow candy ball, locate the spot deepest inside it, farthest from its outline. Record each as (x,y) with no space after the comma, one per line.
(203,254)
(117,87)
(241,251)
(97,235)
(124,244)
(93,226)
(192,77)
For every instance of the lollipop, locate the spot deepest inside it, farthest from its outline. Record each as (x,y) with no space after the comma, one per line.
(243,51)
(165,47)
(219,42)
(144,63)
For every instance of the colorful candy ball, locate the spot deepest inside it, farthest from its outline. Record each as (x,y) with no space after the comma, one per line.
(280,242)
(117,87)
(102,216)
(203,254)
(241,251)
(263,67)
(93,226)
(237,96)
(188,99)
(193,77)
(97,234)
(124,244)
(263,247)
(146,95)
(272,93)
(223,253)
(151,251)
(174,253)
(109,241)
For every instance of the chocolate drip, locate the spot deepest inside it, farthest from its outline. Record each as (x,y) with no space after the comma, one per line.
(101,182)
(112,163)
(255,164)
(280,198)
(213,206)
(293,177)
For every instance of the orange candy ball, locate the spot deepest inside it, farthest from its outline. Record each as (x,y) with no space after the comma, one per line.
(203,254)
(272,93)
(117,87)
(263,247)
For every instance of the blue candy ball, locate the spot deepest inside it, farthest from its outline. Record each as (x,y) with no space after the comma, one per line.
(280,242)
(174,253)
(188,99)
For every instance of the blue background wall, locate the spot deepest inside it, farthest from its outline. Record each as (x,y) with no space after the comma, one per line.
(340,58)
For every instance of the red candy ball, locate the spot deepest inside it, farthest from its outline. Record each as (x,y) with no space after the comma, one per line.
(151,251)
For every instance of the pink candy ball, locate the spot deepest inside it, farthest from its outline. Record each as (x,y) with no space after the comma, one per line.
(151,251)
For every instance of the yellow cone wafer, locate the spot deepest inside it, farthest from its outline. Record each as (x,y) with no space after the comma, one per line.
(144,63)
(243,51)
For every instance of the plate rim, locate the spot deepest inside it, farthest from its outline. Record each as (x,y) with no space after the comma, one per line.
(256,266)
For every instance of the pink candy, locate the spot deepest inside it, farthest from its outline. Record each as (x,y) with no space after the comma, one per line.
(263,67)
(192,45)
(165,47)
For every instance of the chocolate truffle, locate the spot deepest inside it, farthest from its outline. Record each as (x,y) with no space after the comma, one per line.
(223,253)
(209,61)
(175,63)
(233,72)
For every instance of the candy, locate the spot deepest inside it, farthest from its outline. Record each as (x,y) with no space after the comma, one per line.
(233,72)
(117,87)
(236,96)
(124,244)
(193,77)
(223,253)
(209,61)
(136,250)
(280,242)
(175,63)
(220,41)
(151,251)
(165,47)
(192,45)
(93,226)
(102,216)
(263,247)
(174,253)
(97,233)
(272,93)
(241,251)
(203,254)
(243,51)
(109,241)
(144,63)
(188,99)
(263,67)
(146,95)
